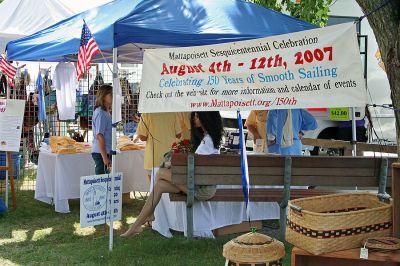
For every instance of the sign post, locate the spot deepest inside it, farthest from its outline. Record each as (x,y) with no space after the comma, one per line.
(11,118)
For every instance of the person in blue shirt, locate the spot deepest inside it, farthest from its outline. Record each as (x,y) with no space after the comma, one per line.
(285,138)
(102,128)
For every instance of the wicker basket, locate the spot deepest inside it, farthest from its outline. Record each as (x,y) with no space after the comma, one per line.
(337,222)
(254,249)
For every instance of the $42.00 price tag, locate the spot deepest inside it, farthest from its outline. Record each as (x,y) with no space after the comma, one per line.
(339,114)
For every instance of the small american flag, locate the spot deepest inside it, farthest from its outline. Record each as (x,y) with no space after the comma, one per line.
(87,50)
(8,69)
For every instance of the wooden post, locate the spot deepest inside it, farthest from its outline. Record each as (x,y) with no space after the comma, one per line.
(10,168)
(286,196)
(383,176)
(396,199)
(190,196)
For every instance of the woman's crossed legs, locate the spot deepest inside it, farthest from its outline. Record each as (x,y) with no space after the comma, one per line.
(163,185)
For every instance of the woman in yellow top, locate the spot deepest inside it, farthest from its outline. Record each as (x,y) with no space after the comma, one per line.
(256,124)
(184,120)
(160,131)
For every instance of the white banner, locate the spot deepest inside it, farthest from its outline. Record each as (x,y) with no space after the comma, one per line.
(11,118)
(314,68)
(95,205)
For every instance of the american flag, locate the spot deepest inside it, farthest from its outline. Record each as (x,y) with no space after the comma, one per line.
(87,50)
(8,69)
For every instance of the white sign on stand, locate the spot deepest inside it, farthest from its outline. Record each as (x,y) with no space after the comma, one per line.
(11,118)
(95,195)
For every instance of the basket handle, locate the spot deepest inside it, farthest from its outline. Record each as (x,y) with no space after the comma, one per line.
(383,197)
(296,209)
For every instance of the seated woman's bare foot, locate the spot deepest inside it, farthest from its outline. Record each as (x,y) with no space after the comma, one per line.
(149,221)
(132,231)
(151,218)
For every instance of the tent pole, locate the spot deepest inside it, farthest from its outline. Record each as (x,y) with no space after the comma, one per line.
(354,130)
(114,144)
(8,96)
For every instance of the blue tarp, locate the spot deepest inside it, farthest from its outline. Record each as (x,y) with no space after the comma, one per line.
(133,25)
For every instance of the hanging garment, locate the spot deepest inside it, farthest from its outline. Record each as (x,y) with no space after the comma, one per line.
(3,85)
(64,80)
(301,121)
(127,100)
(117,94)
(41,103)
(47,82)
(98,81)
(21,83)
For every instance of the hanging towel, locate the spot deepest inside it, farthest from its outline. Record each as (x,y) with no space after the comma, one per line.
(287,137)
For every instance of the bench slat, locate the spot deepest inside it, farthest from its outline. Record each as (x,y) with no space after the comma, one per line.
(217,170)
(338,181)
(279,161)
(256,195)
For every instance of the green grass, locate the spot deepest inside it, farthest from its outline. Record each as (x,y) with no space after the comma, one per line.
(35,235)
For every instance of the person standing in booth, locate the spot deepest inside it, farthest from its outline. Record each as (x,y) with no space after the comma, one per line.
(184,120)
(102,128)
(160,131)
(285,129)
(255,123)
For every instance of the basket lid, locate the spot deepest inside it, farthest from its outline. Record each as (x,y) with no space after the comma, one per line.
(254,247)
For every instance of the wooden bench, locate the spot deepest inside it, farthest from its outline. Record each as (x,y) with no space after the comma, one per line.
(328,174)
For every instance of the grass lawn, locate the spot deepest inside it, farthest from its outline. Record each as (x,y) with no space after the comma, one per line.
(36,235)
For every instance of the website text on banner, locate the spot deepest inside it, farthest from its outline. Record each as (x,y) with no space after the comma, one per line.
(314,68)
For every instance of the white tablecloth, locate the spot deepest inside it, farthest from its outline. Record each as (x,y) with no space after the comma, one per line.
(208,216)
(58,176)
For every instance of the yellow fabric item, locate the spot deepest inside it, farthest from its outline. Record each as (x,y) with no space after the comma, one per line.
(83,147)
(184,120)
(124,143)
(57,142)
(161,130)
(258,118)
(66,145)
(133,147)
(66,149)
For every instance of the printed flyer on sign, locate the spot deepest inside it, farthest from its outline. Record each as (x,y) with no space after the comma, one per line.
(95,195)
(314,68)
(11,118)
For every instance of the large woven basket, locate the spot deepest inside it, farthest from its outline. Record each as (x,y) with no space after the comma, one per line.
(254,249)
(337,222)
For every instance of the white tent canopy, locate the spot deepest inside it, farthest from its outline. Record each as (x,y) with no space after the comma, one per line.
(24,17)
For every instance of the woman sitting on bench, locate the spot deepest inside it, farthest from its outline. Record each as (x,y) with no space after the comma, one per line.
(206,138)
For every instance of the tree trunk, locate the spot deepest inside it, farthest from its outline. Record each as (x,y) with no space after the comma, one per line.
(386,26)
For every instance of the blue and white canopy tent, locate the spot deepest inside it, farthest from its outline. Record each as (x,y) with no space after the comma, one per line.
(123,28)
(133,25)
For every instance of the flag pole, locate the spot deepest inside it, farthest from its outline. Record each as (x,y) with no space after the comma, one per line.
(114,143)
